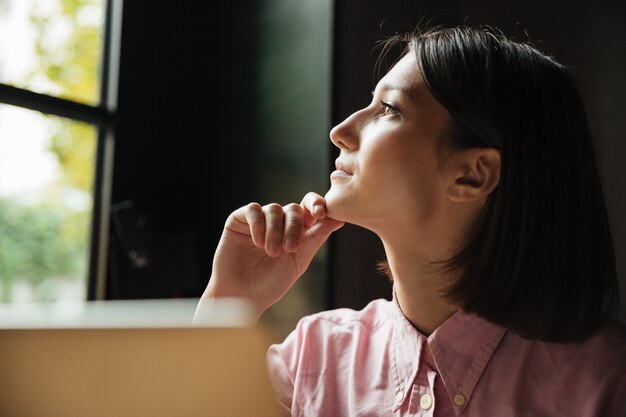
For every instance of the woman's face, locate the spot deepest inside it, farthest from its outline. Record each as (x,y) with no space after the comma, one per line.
(389,170)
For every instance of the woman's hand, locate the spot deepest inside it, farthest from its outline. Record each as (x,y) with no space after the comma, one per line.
(265,249)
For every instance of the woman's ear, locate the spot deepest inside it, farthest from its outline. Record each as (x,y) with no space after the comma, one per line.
(476,173)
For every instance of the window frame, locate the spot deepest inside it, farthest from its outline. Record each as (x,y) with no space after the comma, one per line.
(102,117)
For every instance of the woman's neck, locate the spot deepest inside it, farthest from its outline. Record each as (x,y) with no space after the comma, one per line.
(419,287)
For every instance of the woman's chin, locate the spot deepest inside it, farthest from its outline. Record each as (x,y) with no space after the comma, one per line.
(336,205)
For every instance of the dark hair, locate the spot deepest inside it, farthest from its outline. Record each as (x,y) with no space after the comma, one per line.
(539,260)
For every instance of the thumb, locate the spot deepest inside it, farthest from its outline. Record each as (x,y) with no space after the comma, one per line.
(315,237)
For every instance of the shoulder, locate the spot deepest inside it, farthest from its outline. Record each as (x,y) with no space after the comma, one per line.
(583,378)
(602,354)
(371,317)
(333,331)
(596,364)
(322,344)
(601,368)
(607,348)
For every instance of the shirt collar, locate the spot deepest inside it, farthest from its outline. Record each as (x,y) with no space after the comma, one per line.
(406,350)
(461,347)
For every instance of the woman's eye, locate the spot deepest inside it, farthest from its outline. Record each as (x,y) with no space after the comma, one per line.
(388,109)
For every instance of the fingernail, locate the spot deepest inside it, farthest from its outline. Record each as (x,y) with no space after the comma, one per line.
(291,243)
(318,210)
(273,246)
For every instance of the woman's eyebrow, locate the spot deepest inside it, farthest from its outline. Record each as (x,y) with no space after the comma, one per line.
(393,87)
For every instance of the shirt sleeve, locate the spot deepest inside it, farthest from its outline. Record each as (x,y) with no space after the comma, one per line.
(282,360)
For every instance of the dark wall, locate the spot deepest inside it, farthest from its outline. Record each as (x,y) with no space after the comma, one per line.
(589,37)
(220,104)
(185,140)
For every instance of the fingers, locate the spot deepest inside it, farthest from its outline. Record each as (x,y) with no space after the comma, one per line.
(294,226)
(314,207)
(283,228)
(273,227)
(277,228)
(255,218)
(319,233)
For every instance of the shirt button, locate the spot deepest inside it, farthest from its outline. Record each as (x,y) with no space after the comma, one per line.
(399,396)
(426,401)
(459,399)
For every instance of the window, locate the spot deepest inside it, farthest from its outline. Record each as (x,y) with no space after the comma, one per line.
(57,75)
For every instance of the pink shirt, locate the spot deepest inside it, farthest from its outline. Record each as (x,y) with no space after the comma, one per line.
(373,362)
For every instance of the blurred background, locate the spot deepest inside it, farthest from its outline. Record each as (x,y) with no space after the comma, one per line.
(130,130)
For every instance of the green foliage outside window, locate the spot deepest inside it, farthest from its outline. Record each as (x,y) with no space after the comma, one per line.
(37,244)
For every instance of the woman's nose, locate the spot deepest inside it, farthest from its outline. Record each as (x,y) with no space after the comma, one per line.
(345,134)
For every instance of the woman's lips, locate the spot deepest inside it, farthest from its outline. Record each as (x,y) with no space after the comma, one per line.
(341,168)
(341,171)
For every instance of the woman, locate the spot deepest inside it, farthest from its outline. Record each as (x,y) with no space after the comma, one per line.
(475,166)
